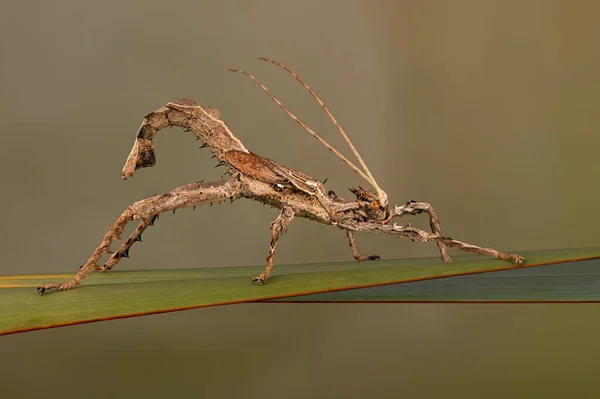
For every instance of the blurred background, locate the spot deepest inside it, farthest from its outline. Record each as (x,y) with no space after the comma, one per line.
(485,109)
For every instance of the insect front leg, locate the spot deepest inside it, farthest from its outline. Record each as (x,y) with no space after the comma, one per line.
(414,208)
(147,210)
(356,250)
(278,227)
(418,235)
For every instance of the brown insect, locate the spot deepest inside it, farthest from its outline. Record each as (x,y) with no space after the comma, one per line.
(263,180)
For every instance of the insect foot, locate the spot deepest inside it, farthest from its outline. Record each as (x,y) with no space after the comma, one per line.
(518,260)
(41,290)
(260,279)
(364,257)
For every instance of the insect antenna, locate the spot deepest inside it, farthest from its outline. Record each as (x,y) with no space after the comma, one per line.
(371,179)
(308,129)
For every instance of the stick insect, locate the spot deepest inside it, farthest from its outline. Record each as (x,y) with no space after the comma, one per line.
(261,179)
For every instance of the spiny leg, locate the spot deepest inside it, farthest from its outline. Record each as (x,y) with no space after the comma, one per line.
(414,208)
(513,258)
(204,123)
(356,250)
(414,234)
(278,227)
(147,210)
(123,251)
(114,233)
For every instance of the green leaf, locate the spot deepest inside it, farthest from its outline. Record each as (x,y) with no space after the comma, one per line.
(558,283)
(133,293)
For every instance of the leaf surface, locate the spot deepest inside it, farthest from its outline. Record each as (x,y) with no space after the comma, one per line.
(119,294)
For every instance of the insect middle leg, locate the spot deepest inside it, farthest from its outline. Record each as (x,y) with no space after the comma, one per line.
(278,227)
(147,210)
(356,250)
(414,208)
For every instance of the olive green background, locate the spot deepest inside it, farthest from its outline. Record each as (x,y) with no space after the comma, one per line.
(486,109)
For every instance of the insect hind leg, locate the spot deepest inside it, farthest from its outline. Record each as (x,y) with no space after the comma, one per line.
(147,210)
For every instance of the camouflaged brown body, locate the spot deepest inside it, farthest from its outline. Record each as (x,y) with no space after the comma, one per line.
(281,185)
(261,179)
(203,122)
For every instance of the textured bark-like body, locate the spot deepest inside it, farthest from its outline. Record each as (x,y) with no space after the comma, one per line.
(204,123)
(263,180)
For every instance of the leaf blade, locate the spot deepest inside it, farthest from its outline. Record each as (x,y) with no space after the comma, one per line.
(133,293)
(576,282)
